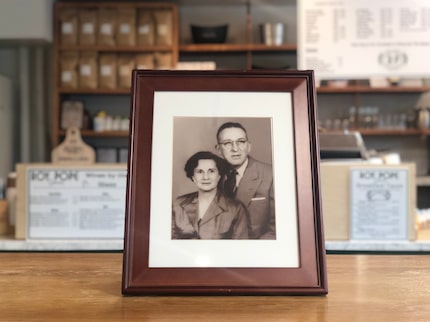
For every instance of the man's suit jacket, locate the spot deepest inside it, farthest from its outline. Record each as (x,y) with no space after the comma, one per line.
(255,191)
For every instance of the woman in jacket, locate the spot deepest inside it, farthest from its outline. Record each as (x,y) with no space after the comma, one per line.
(208,213)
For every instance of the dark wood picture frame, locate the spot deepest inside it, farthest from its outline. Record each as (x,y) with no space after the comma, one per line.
(310,276)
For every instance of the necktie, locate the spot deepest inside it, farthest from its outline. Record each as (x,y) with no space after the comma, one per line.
(230,183)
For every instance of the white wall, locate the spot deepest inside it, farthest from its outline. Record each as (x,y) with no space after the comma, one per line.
(28,67)
(8,70)
(26,20)
(25,35)
(6,127)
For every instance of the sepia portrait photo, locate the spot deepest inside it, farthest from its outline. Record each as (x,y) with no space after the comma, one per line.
(223,179)
(225,175)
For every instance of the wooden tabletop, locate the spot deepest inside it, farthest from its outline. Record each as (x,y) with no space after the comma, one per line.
(87,287)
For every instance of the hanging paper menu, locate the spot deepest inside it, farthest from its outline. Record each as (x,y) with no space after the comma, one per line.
(363,39)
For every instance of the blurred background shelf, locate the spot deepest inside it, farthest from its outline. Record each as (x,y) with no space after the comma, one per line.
(91,133)
(198,48)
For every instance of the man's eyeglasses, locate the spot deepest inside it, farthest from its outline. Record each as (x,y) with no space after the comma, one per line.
(241,143)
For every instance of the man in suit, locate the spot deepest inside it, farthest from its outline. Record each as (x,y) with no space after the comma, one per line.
(254,180)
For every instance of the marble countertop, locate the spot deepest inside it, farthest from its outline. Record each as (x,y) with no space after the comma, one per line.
(61,245)
(117,245)
(380,246)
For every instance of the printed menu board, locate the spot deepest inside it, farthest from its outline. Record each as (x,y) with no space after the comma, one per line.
(379,204)
(363,39)
(75,203)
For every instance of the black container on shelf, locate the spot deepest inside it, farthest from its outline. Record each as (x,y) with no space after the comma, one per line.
(209,35)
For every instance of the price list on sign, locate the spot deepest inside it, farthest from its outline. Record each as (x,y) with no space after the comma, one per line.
(363,39)
(379,207)
(81,203)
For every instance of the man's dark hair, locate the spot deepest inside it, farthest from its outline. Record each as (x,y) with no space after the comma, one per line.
(222,165)
(229,125)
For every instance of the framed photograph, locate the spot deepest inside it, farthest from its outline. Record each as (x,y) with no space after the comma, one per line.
(223,187)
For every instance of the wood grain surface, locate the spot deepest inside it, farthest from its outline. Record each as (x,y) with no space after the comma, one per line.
(87,287)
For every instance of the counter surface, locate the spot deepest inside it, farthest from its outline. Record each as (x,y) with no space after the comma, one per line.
(58,245)
(87,287)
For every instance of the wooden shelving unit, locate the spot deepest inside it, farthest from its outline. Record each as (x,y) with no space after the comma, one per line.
(363,131)
(214,48)
(357,89)
(388,132)
(392,132)
(232,48)
(60,93)
(96,91)
(116,49)
(91,133)
(247,48)
(359,92)
(246,45)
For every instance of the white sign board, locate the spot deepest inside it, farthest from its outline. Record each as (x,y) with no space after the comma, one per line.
(379,204)
(363,39)
(76,203)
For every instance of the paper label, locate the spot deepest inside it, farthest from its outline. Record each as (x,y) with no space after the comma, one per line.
(84,203)
(85,70)
(106,29)
(66,28)
(66,76)
(106,70)
(143,30)
(124,28)
(88,28)
(379,204)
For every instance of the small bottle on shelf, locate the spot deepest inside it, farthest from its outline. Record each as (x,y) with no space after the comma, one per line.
(100,121)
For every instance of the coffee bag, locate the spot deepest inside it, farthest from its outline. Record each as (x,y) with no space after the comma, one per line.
(164,26)
(163,60)
(69,69)
(145,27)
(126,27)
(69,27)
(126,63)
(87,26)
(145,61)
(88,75)
(107,70)
(106,27)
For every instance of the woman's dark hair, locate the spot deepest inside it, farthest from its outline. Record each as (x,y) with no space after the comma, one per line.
(222,165)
